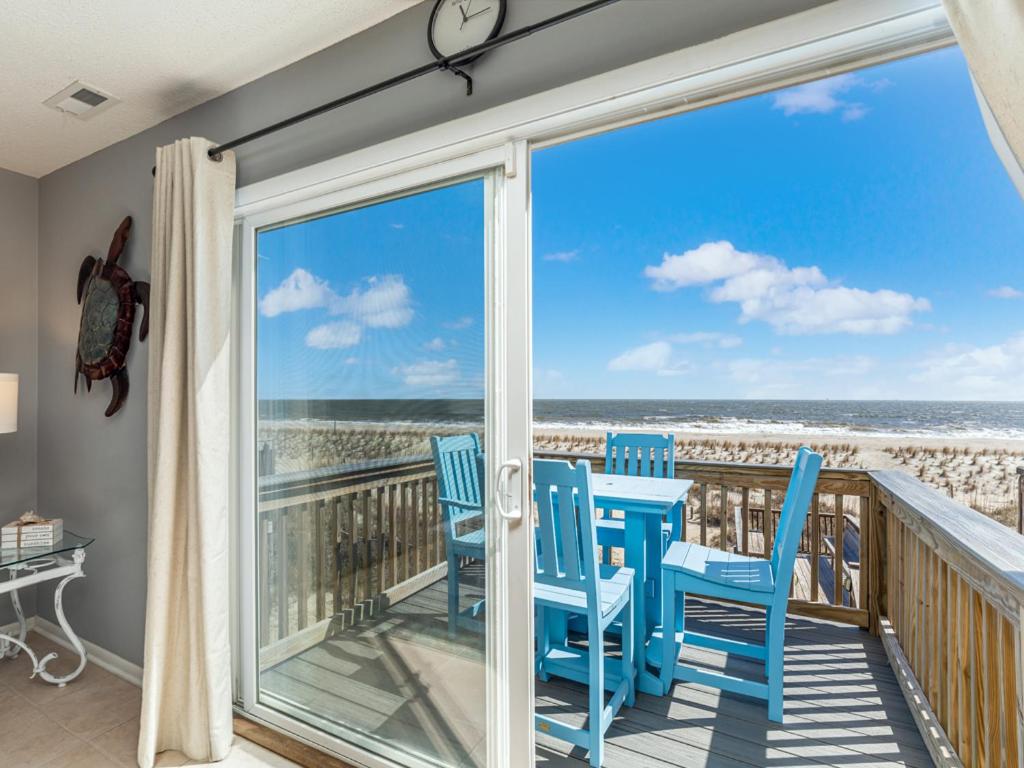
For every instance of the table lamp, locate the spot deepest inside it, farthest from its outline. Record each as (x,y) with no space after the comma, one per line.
(8,402)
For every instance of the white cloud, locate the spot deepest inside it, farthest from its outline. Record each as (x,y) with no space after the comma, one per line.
(460,324)
(430,373)
(384,303)
(971,372)
(398,226)
(300,290)
(435,345)
(708,339)
(822,97)
(798,300)
(655,357)
(351,360)
(853,112)
(704,264)
(563,256)
(338,335)
(1006,292)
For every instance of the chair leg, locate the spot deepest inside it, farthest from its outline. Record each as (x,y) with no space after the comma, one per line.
(776,637)
(668,635)
(543,642)
(628,652)
(453,595)
(595,643)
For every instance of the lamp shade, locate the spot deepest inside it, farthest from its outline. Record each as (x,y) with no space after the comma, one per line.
(8,402)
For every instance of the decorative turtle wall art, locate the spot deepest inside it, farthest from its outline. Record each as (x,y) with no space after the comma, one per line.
(108,297)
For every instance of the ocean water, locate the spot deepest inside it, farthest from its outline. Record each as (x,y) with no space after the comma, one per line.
(880,418)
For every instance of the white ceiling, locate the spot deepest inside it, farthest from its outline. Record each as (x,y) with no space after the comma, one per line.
(159,58)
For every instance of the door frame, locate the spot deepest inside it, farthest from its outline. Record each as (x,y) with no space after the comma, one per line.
(508,667)
(826,40)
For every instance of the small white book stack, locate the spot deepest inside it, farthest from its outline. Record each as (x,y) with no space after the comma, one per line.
(29,531)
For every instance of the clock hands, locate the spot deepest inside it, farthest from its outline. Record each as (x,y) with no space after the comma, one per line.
(466,17)
(483,10)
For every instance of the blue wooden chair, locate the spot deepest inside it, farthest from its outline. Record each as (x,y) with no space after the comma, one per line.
(645,455)
(458,462)
(569,579)
(690,569)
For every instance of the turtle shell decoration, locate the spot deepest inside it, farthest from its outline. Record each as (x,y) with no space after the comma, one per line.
(108,297)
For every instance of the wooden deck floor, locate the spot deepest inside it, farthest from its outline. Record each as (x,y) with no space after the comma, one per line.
(398,677)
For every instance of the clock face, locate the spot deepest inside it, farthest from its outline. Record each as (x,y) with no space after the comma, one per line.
(456,25)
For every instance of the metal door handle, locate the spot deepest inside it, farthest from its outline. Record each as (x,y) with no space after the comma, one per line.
(508,468)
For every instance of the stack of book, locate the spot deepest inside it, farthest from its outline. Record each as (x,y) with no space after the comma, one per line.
(32,532)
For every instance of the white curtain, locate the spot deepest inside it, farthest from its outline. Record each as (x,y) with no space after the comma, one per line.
(991,35)
(186,694)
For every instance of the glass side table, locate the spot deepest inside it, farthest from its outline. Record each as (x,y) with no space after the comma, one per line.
(33,565)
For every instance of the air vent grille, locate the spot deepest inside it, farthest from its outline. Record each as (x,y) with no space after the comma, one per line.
(81,101)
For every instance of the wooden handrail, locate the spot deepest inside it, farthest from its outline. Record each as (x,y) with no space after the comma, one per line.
(947,595)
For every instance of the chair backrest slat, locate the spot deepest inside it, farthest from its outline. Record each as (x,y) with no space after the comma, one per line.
(458,463)
(565,508)
(640,454)
(793,516)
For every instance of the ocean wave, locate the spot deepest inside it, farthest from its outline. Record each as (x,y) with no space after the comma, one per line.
(712,426)
(736,426)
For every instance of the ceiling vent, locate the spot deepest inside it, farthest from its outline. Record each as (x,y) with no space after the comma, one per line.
(81,101)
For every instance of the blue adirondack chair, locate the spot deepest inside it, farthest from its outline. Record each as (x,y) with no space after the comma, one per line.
(690,569)
(569,579)
(628,453)
(460,490)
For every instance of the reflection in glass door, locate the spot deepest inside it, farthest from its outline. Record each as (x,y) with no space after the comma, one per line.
(370,538)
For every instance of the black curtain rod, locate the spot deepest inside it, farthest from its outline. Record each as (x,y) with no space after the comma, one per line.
(447,63)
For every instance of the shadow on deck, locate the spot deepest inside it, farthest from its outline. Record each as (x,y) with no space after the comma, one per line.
(399,678)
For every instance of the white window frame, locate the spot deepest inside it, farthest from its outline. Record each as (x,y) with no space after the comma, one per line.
(834,38)
(506,693)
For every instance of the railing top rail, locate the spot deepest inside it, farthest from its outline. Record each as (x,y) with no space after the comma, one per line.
(775,477)
(318,481)
(703,464)
(338,476)
(972,540)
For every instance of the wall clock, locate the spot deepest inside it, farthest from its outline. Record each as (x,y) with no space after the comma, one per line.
(456,25)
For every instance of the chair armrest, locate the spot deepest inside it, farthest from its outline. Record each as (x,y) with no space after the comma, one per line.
(471,506)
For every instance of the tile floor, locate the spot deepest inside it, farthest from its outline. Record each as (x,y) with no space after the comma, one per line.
(93,722)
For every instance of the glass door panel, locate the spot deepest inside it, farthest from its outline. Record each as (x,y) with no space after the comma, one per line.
(371,353)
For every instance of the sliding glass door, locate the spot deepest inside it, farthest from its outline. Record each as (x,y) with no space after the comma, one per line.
(381,497)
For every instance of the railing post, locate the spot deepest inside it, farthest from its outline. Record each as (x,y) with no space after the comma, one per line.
(876,535)
(1020,499)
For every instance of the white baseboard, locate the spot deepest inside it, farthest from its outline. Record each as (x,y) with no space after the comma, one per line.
(101,657)
(13,628)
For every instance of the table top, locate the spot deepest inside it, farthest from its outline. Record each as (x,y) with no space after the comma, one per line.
(651,493)
(68,543)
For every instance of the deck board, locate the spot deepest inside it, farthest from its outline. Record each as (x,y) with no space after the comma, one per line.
(843,704)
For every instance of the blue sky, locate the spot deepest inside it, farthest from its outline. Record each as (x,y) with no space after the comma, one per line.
(851,238)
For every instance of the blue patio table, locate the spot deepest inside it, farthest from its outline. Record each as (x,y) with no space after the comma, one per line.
(645,501)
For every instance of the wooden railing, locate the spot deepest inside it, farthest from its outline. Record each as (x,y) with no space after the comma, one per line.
(337,545)
(948,597)
(726,509)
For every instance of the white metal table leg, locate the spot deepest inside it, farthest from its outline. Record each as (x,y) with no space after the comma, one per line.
(8,649)
(13,645)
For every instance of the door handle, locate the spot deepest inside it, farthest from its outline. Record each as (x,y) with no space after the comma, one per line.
(510,467)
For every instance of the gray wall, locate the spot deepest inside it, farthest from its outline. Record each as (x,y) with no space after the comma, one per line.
(94,468)
(18,300)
